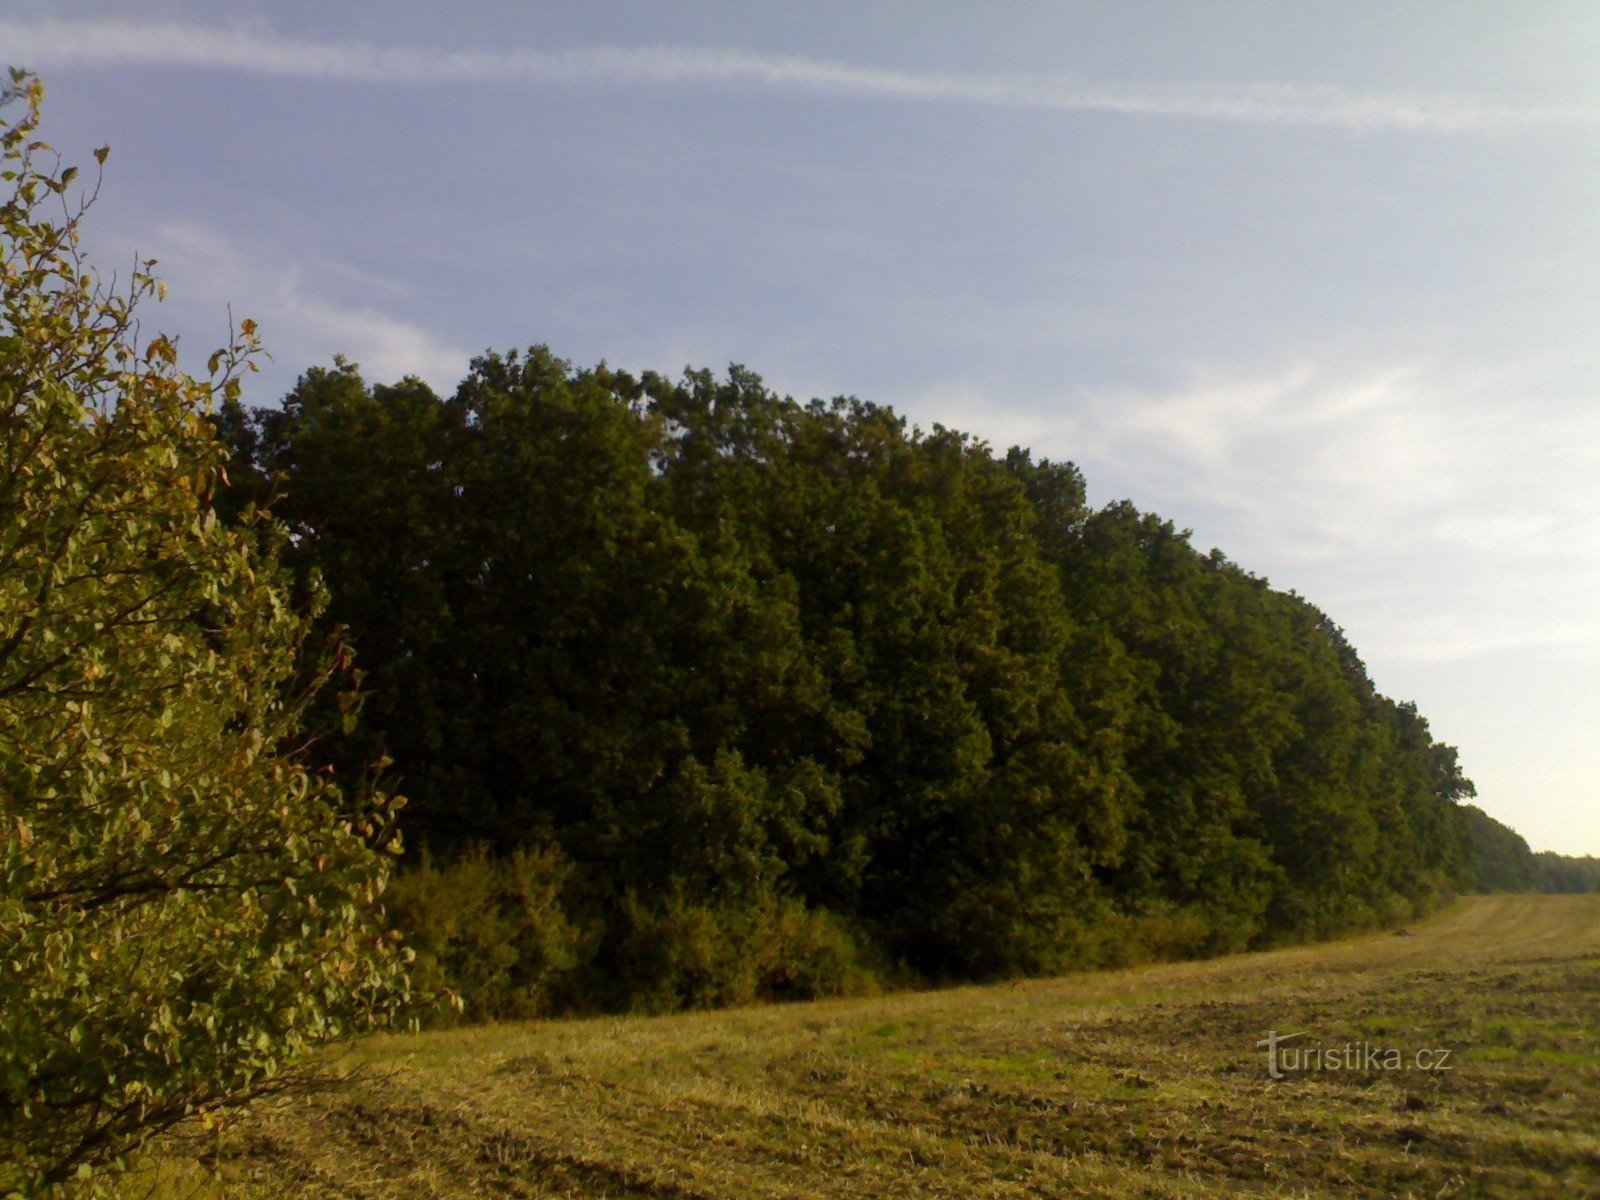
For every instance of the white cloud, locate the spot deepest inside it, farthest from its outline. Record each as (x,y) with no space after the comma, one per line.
(300,320)
(111,43)
(1442,522)
(1328,461)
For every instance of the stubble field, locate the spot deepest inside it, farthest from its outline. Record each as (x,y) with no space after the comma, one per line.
(1137,1083)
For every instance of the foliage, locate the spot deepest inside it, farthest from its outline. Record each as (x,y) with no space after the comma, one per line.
(1566,873)
(737,656)
(185,905)
(489,932)
(509,937)
(1502,861)
(677,954)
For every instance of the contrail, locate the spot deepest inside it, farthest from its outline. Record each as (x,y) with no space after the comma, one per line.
(109,43)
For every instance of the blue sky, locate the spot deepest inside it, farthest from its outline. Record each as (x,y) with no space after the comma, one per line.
(1319,281)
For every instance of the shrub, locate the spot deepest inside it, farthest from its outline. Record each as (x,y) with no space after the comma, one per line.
(491,934)
(809,953)
(677,955)
(185,909)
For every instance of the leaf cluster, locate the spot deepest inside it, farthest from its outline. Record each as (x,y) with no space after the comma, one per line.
(186,905)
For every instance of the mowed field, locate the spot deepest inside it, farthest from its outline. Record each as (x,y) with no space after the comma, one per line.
(1135,1083)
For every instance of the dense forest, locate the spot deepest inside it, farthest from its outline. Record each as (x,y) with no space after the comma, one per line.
(698,693)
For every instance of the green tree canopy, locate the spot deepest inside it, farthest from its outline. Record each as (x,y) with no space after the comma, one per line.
(725,650)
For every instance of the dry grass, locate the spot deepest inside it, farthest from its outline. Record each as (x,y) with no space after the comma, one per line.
(1138,1083)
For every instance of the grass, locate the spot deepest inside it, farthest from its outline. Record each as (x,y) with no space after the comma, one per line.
(1136,1083)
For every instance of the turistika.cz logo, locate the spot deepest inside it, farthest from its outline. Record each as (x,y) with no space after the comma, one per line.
(1285,1060)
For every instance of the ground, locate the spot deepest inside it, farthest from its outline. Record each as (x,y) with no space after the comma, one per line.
(1137,1083)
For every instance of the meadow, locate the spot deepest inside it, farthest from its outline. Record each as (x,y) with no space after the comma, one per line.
(1146,1082)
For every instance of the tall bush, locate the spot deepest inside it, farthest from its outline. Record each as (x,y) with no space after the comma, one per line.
(186,905)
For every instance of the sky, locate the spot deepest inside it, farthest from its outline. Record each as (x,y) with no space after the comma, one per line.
(1318,281)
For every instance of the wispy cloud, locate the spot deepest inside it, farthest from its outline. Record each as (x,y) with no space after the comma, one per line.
(1440,521)
(111,43)
(301,319)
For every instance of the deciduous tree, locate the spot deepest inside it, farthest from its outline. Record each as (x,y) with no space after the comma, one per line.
(186,905)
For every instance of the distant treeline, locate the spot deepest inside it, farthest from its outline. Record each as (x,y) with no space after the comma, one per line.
(1502,861)
(699,694)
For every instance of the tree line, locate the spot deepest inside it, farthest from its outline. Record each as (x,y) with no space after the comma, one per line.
(775,697)
(1502,861)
